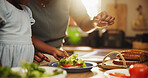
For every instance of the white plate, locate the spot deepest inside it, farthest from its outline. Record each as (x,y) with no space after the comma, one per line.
(48,69)
(94,58)
(124,71)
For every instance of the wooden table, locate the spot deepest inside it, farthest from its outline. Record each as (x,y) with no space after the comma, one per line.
(96,72)
(80,75)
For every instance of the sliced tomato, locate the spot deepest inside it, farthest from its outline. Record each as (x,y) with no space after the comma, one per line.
(67,65)
(79,64)
(71,65)
(119,75)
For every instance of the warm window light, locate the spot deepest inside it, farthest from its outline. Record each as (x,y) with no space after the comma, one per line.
(93,7)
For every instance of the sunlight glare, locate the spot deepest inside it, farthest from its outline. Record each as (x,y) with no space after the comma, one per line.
(93,7)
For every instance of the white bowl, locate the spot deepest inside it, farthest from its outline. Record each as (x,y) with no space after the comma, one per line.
(48,69)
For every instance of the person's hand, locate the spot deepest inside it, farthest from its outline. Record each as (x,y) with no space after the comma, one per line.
(59,54)
(39,57)
(103,19)
(47,49)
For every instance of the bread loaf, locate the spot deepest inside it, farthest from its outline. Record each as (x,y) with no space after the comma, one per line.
(132,56)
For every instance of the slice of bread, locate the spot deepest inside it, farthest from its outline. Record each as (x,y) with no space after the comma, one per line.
(128,63)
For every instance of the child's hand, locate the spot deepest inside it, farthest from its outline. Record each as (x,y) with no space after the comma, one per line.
(39,57)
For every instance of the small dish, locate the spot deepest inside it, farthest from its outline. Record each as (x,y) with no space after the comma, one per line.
(124,71)
(75,70)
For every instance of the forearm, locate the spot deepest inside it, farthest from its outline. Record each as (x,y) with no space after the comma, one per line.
(101,20)
(41,46)
(85,23)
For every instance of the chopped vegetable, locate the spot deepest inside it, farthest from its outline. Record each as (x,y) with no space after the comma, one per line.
(72,61)
(6,72)
(32,71)
(35,72)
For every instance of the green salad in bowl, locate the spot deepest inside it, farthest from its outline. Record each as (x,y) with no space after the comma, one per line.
(72,62)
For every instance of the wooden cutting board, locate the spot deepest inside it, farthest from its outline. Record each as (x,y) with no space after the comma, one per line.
(110,65)
(119,12)
(78,48)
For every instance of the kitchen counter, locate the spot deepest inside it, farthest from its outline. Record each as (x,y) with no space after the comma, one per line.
(94,54)
(95,72)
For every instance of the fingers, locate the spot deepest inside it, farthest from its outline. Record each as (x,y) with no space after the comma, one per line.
(39,54)
(46,59)
(103,19)
(108,18)
(38,59)
(62,54)
(35,62)
(102,15)
(100,23)
(111,23)
(65,53)
(55,55)
(112,19)
(59,54)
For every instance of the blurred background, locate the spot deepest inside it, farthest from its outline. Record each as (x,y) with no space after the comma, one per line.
(130,30)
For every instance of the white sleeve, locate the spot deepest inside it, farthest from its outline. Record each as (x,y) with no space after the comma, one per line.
(32,21)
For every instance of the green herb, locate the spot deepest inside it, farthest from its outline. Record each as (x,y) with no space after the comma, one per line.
(84,65)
